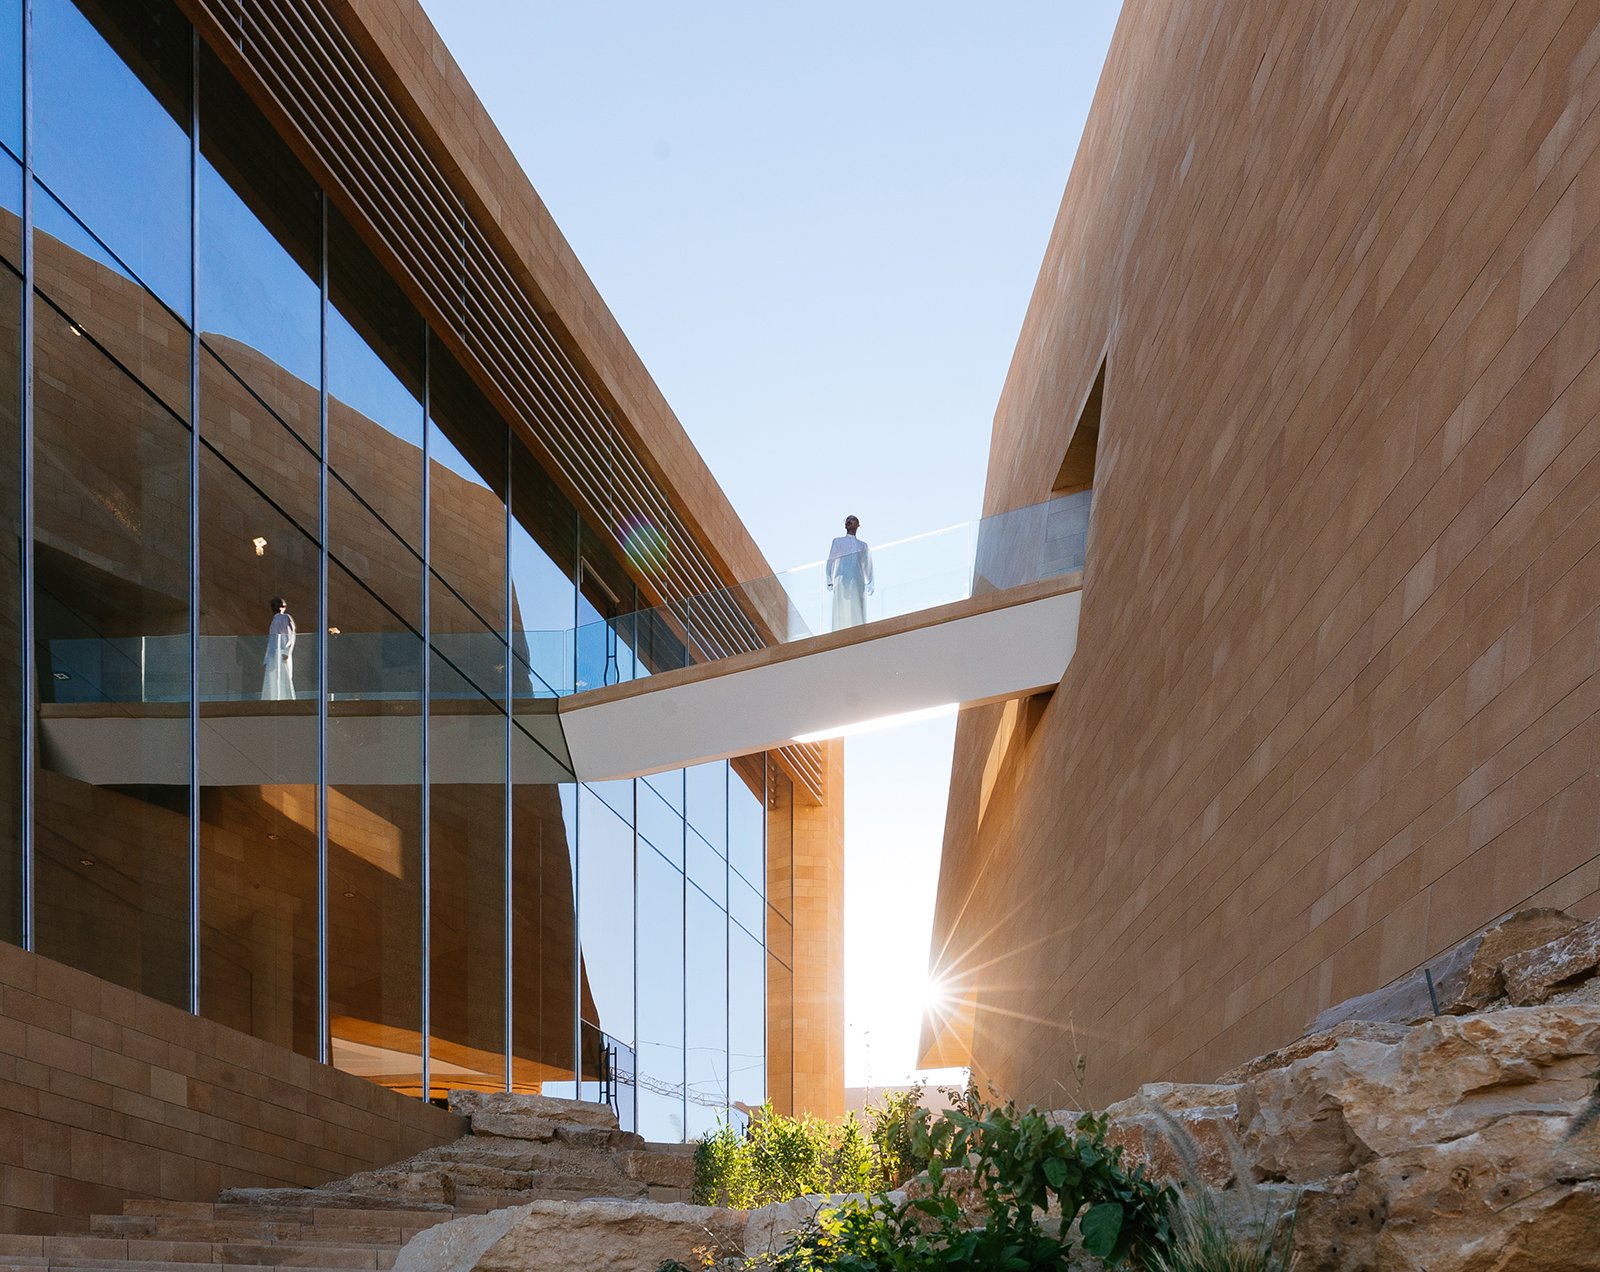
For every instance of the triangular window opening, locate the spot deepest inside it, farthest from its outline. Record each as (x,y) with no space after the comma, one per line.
(1077,466)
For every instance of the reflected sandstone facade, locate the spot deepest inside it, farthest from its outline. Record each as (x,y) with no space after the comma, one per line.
(1336,698)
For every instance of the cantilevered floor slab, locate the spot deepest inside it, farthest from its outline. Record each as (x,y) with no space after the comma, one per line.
(272,743)
(984,649)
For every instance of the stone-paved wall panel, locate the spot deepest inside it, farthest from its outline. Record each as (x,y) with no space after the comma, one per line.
(1335,702)
(106,1094)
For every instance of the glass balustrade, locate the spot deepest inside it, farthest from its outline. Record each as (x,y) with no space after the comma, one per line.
(1004,551)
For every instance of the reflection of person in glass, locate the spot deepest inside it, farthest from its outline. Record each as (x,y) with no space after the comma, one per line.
(277,678)
(849,576)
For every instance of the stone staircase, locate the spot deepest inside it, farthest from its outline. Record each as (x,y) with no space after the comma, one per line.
(521,1148)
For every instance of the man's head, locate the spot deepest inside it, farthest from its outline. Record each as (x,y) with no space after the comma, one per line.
(852,524)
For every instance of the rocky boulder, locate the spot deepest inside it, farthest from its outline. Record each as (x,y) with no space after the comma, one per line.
(1464,979)
(1435,1148)
(1533,975)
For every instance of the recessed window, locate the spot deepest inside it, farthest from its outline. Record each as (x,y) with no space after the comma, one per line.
(1077,465)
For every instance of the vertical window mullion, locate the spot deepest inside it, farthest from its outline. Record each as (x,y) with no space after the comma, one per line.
(507,989)
(30,686)
(577,939)
(426,918)
(324,1045)
(194,521)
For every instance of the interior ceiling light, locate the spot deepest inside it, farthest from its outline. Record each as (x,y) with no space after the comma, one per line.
(86,861)
(333,631)
(260,545)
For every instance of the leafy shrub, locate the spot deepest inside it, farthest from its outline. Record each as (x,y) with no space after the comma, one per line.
(1006,1190)
(779,1158)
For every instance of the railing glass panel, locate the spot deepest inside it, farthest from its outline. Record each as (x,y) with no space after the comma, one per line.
(1007,550)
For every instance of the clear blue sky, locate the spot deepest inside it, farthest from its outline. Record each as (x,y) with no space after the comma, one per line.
(819,225)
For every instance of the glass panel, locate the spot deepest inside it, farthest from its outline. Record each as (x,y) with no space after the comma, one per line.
(706,1055)
(669,786)
(605,593)
(111,540)
(707,795)
(618,795)
(467,731)
(780,937)
(660,997)
(747,819)
(374,674)
(467,487)
(605,926)
(747,1020)
(259,475)
(260,224)
(544,562)
(111,111)
(11,76)
(258,806)
(544,1014)
(659,825)
(467,847)
(745,905)
(707,869)
(11,530)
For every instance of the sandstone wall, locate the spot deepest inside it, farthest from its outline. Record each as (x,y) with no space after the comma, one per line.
(106,1094)
(1335,702)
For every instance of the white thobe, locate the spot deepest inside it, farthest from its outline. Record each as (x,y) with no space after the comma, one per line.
(849,577)
(277,675)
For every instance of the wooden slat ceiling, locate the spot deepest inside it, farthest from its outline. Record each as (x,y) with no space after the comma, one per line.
(308,75)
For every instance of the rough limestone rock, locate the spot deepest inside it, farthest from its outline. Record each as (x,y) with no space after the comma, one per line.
(1369,1030)
(458,1245)
(1181,1130)
(1337,1109)
(1337,1223)
(1532,976)
(1465,979)
(1502,1197)
(661,1169)
(608,1236)
(499,1106)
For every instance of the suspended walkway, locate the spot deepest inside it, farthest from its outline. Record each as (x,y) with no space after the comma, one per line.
(973,613)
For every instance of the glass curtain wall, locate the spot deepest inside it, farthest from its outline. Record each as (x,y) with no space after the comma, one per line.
(286,621)
(260,258)
(111,449)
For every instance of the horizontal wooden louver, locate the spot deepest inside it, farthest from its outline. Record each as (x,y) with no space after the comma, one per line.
(304,69)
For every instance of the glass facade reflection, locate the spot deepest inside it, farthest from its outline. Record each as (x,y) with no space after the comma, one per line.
(330,822)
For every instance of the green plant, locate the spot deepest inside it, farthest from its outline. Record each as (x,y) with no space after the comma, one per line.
(1249,1228)
(779,1158)
(1021,1164)
(894,1122)
(1005,1189)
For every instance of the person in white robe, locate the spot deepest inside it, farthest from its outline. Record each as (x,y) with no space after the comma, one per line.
(277,676)
(849,576)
